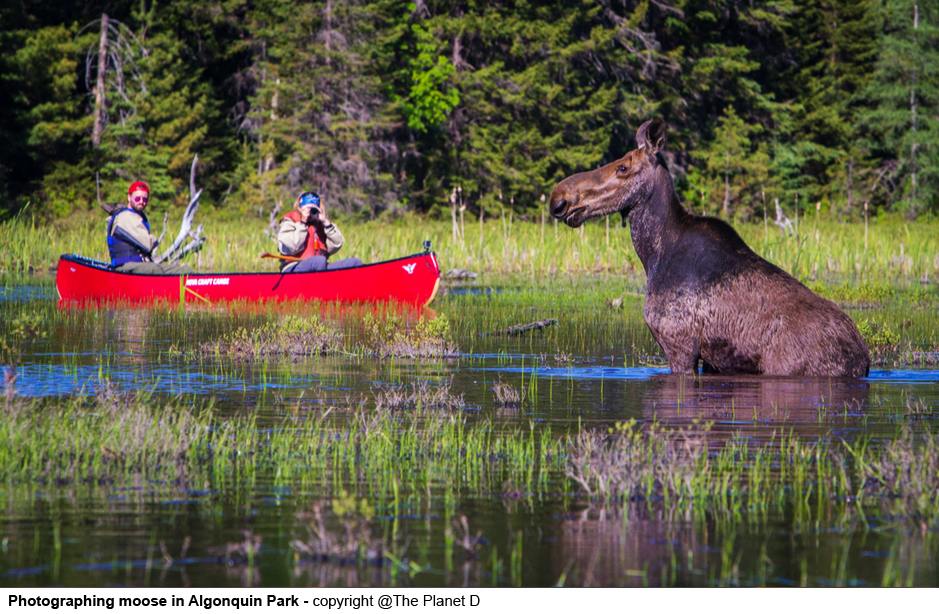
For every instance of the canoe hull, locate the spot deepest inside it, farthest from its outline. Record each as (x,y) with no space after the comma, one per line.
(411,280)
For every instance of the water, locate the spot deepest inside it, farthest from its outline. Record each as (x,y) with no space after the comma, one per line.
(596,368)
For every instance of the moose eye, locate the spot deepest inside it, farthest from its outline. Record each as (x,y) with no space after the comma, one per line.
(621,168)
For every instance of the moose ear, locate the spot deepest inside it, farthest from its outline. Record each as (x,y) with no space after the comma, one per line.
(651,136)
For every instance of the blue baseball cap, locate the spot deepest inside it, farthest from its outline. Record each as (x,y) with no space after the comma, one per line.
(309,198)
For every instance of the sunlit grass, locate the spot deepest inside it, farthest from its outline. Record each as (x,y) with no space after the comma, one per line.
(887,251)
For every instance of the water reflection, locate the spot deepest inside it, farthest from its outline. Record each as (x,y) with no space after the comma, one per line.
(803,403)
(598,548)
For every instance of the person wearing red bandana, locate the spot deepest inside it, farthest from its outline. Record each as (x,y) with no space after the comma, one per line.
(130,243)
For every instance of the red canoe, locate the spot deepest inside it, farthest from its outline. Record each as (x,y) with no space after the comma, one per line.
(412,280)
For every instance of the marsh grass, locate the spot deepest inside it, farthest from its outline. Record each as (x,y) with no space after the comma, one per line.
(116,438)
(506,395)
(390,334)
(386,333)
(836,484)
(290,335)
(110,438)
(825,249)
(357,540)
(418,396)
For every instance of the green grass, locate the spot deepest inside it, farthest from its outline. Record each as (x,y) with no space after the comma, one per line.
(388,451)
(891,251)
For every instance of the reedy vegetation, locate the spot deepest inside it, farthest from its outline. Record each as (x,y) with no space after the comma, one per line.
(422,451)
(882,253)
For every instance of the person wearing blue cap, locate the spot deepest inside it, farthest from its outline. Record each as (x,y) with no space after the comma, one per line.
(308,234)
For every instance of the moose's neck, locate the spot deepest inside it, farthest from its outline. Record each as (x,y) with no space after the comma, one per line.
(656,224)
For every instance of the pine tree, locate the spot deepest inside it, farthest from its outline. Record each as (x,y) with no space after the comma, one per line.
(159,111)
(821,158)
(50,105)
(904,124)
(318,120)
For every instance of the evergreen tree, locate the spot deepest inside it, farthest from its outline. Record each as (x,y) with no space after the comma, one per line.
(318,119)
(159,111)
(837,41)
(383,105)
(904,124)
(51,107)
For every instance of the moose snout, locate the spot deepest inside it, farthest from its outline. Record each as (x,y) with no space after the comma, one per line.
(559,202)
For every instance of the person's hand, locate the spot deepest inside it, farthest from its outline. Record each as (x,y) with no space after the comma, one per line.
(320,219)
(305,214)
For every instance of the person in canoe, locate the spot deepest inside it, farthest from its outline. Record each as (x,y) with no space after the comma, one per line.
(129,240)
(307,235)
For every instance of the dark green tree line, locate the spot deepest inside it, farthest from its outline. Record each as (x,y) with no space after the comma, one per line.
(388,106)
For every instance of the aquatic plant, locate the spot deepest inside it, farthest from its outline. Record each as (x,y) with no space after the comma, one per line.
(25,326)
(355,542)
(506,395)
(391,334)
(290,335)
(902,477)
(878,335)
(459,534)
(634,465)
(243,552)
(418,395)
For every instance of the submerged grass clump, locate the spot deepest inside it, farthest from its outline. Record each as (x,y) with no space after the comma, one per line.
(903,477)
(386,334)
(355,542)
(392,335)
(290,335)
(506,395)
(419,396)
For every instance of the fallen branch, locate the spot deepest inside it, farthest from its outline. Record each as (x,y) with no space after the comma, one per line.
(177,250)
(519,329)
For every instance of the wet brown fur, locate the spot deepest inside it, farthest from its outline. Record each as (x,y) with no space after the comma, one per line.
(709,297)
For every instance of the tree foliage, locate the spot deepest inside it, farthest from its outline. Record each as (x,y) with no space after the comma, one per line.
(382,106)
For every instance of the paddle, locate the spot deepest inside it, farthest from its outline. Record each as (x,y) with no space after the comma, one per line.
(281,257)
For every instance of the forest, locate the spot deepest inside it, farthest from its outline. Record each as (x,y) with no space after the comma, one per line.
(387,107)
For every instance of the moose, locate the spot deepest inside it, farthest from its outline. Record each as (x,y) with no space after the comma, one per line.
(710,299)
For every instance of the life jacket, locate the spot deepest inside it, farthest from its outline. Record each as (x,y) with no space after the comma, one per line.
(315,241)
(123,251)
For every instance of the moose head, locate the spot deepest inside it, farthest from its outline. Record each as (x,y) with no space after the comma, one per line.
(621,185)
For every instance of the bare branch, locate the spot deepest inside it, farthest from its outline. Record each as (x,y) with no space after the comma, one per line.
(166,216)
(177,250)
(784,223)
(272,218)
(192,176)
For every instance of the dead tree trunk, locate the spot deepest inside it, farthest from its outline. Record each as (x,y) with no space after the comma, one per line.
(100,99)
